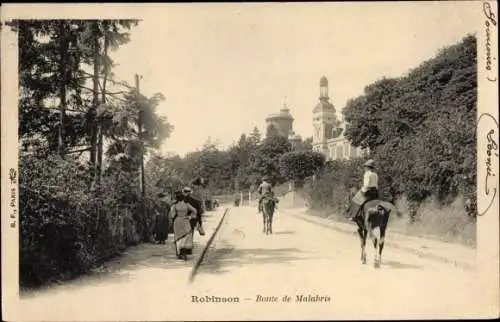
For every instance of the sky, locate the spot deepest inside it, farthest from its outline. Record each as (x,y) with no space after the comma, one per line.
(224,67)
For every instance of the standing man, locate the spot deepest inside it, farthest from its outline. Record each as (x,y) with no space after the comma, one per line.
(197,223)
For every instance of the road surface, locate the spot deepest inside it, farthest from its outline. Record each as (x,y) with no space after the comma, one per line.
(306,258)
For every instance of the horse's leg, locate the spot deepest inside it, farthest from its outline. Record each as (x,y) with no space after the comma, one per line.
(267,224)
(360,233)
(370,229)
(266,218)
(362,237)
(376,242)
(363,246)
(381,243)
(271,213)
(263,221)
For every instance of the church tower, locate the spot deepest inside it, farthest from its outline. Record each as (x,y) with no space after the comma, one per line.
(324,118)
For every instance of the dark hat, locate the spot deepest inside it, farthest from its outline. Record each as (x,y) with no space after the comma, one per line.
(178,196)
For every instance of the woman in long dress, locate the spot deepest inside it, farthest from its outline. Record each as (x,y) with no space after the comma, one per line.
(182,213)
(161,227)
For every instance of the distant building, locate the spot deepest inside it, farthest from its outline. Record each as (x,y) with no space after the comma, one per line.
(283,122)
(328,135)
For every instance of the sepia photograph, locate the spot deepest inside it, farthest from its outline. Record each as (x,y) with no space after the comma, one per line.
(250,161)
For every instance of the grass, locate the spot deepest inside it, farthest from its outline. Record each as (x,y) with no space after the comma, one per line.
(447,223)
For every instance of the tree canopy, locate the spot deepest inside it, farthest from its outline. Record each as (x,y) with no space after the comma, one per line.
(421,127)
(81,133)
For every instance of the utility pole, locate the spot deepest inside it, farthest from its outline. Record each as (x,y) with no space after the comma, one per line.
(145,223)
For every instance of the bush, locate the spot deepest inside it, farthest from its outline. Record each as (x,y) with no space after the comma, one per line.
(55,217)
(67,226)
(331,188)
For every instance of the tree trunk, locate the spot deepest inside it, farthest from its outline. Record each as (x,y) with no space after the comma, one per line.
(103,101)
(63,47)
(95,102)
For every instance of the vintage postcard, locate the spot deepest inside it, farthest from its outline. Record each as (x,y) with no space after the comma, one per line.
(250,161)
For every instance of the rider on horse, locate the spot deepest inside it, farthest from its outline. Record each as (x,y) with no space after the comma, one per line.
(265,190)
(369,190)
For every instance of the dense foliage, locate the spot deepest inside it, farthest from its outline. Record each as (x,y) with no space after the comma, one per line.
(299,165)
(81,131)
(237,168)
(420,130)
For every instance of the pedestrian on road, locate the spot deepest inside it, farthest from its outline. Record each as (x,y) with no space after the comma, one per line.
(182,213)
(161,222)
(197,223)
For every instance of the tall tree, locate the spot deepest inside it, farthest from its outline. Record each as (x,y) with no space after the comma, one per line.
(298,165)
(255,136)
(265,160)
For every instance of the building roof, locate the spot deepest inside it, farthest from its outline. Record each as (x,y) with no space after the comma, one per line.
(283,114)
(324,105)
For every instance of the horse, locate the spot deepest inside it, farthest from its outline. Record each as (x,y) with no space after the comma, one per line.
(373,222)
(268,207)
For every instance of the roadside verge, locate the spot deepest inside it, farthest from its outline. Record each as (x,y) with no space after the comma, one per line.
(454,254)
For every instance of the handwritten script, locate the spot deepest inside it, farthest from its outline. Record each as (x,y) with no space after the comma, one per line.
(489,23)
(489,190)
(13,197)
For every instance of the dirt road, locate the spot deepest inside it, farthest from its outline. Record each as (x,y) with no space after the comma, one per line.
(306,269)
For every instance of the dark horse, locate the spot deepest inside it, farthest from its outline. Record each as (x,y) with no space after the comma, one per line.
(372,221)
(268,207)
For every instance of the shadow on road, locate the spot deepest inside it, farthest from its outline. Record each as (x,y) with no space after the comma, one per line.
(395,264)
(221,259)
(285,232)
(151,256)
(120,269)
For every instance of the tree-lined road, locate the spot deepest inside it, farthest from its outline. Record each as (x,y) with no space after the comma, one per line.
(302,257)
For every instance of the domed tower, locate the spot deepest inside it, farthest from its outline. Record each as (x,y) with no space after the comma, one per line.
(324,118)
(283,121)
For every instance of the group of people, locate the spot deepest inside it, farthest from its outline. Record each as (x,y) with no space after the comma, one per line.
(184,215)
(185,212)
(368,191)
